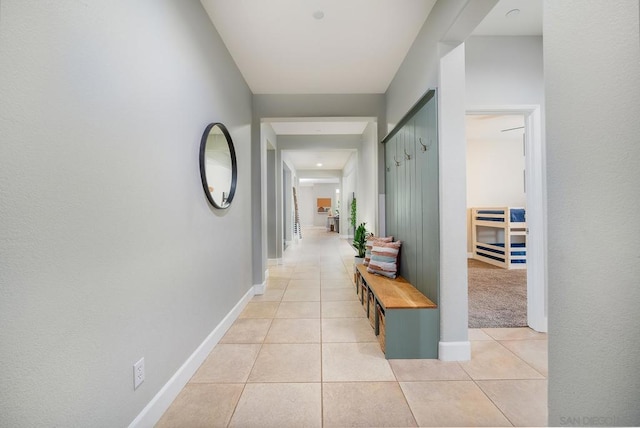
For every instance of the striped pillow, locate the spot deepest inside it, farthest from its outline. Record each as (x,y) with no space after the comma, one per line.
(369,244)
(384,259)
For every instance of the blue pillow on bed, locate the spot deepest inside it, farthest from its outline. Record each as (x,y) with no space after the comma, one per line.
(517,214)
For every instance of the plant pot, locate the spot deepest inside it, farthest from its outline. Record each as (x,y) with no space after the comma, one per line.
(357,261)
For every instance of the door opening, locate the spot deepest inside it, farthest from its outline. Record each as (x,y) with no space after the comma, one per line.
(505,171)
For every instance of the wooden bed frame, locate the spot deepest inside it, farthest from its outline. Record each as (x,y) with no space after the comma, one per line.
(504,231)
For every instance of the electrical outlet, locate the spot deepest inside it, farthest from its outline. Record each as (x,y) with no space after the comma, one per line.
(138,373)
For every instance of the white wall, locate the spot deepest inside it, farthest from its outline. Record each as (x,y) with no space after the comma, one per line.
(265,209)
(367,193)
(306,202)
(592,85)
(504,70)
(495,173)
(349,188)
(323,191)
(110,251)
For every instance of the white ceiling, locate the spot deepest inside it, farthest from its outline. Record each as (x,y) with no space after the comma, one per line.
(319,127)
(281,48)
(525,21)
(308,160)
(494,127)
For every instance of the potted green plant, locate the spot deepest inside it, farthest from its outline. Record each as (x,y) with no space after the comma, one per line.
(360,242)
(352,219)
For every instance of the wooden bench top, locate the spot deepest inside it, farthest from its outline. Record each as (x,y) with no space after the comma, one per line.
(395,293)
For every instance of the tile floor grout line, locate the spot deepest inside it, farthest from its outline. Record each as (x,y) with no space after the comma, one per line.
(415,419)
(495,404)
(235,407)
(304,260)
(321,361)
(522,359)
(536,337)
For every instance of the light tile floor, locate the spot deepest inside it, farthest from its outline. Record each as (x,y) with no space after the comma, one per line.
(303,354)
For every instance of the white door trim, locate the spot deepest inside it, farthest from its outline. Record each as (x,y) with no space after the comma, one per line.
(535,177)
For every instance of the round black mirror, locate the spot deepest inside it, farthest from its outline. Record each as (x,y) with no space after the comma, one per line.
(218,169)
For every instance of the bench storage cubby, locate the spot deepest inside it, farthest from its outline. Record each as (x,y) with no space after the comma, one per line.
(405,321)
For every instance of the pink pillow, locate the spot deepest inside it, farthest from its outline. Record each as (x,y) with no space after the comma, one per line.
(384,259)
(369,244)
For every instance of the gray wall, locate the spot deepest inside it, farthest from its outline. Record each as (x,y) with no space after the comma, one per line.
(504,70)
(592,84)
(450,21)
(109,250)
(272,224)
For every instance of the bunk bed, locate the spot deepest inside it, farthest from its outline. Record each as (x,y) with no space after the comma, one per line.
(499,236)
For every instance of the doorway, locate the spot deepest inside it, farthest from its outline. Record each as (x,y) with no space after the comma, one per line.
(514,164)
(287,207)
(497,278)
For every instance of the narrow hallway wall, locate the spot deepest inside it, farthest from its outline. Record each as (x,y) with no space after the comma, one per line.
(592,85)
(109,249)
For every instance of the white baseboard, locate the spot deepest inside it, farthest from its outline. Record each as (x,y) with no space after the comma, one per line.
(258,289)
(540,326)
(154,410)
(454,351)
(274,262)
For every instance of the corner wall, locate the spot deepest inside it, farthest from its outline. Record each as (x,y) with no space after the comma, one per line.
(109,250)
(425,67)
(592,84)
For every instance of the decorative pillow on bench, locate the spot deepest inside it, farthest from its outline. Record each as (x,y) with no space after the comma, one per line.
(371,240)
(384,259)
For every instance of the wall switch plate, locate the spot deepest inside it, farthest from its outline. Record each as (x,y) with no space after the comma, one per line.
(138,373)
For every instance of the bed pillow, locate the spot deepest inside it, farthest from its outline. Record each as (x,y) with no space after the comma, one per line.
(369,244)
(384,259)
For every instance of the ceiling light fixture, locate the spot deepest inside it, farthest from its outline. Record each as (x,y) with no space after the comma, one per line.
(318,14)
(512,13)
(318,164)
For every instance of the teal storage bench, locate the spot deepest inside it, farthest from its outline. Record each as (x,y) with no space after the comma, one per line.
(404,319)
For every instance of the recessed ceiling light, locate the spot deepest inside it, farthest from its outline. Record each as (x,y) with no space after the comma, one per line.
(318,164)
(513,13)
(318,14)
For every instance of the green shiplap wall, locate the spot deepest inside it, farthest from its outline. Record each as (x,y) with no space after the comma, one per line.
(412,198)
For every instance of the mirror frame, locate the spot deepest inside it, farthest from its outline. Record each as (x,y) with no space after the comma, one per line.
(234,166)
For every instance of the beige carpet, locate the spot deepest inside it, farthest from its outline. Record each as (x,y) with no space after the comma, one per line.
(497,297)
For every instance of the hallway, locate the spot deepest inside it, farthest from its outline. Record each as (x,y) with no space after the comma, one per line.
(304,354)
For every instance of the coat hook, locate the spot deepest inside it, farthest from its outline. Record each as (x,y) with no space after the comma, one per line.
(424,148)
(396,160)
(407,156)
